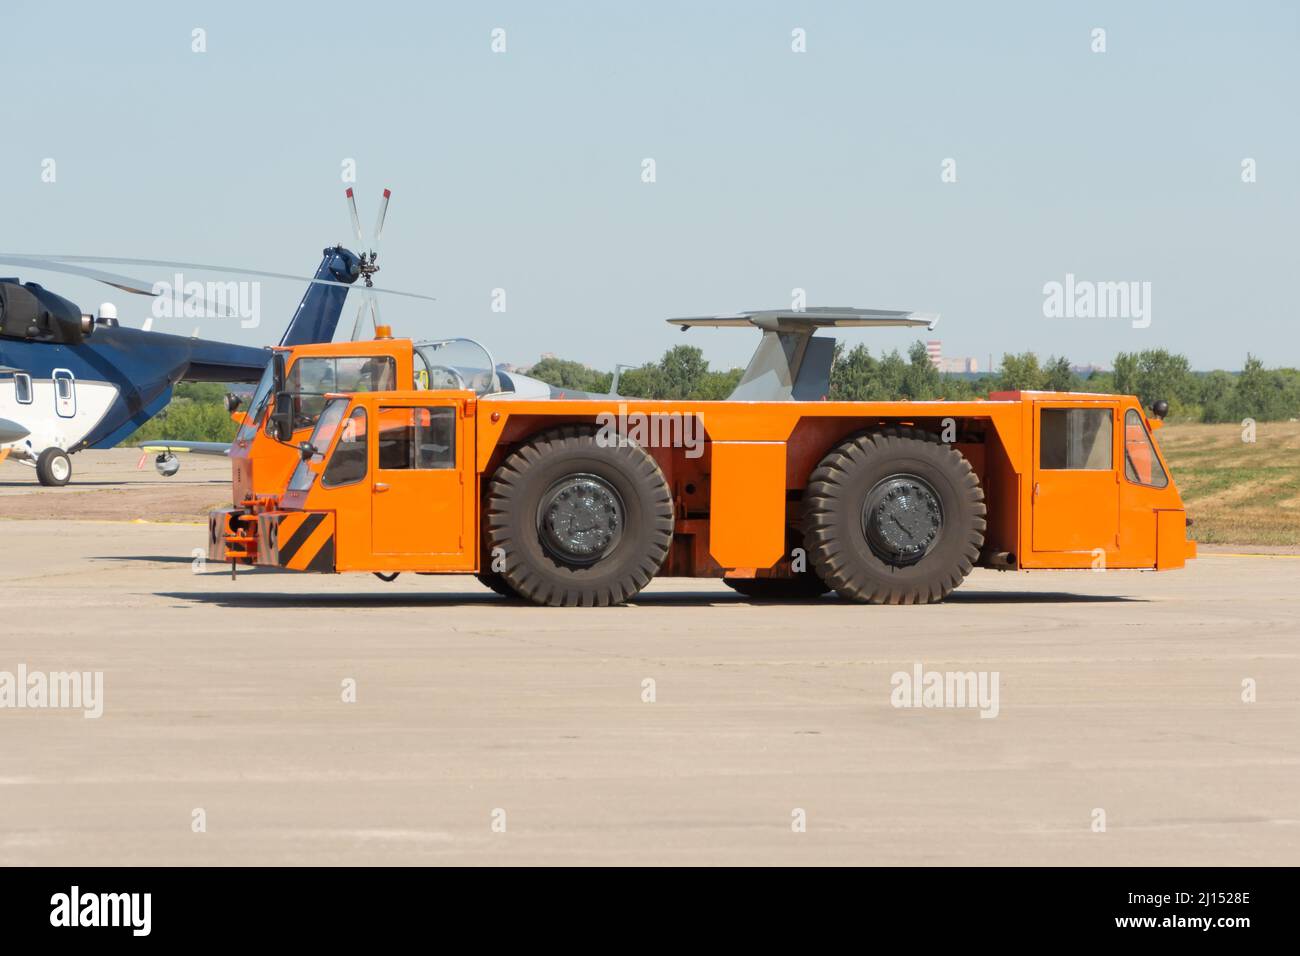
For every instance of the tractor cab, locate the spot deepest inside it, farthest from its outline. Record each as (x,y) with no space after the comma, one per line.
(391,475)
(295,384)
(290,397)
(1098,494)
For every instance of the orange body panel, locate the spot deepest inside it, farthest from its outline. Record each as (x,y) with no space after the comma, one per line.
(747,520)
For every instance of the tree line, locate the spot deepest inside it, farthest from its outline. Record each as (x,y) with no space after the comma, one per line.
(197,411)
(858,375)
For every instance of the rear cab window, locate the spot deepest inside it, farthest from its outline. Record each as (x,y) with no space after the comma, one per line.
(1080,439)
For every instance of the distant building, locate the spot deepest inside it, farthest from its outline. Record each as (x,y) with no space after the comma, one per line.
(964,364)
(958,365)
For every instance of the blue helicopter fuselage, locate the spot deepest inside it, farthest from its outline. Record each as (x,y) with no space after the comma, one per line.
(96,392)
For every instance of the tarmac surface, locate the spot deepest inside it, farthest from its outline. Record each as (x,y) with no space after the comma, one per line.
(486,731)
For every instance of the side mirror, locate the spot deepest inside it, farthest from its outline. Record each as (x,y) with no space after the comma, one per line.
(282,417)
(233,402)
(306,450)
(1160,408)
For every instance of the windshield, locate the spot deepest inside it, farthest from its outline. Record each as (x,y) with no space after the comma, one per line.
(320,441)
(455,364)
(258,405)
(311,379)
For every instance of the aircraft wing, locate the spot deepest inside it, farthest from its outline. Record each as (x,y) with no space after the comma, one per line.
(791,320)
(194,447)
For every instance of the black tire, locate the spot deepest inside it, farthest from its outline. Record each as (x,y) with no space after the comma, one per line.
(801,587)
(581,522)
(493,580)
(54,468)
(926,524)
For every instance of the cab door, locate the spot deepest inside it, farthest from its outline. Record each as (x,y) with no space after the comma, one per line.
(1075,498)
(422,506)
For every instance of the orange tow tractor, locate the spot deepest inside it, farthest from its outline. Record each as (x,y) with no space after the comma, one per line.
(564,501)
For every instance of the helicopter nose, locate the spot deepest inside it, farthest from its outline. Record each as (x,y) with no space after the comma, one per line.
(11,431)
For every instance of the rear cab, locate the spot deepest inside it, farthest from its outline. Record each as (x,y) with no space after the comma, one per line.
(1096,491)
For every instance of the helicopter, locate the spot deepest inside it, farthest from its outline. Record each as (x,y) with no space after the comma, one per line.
(71,380)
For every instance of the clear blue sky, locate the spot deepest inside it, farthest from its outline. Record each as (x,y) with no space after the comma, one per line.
(775,170)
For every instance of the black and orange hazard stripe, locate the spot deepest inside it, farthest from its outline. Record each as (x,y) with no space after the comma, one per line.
(300,541)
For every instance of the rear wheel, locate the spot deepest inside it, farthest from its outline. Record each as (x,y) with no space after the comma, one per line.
(54,467)
(894,517)
(580,521)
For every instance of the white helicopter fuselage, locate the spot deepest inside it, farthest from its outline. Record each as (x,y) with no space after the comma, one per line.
(56,412)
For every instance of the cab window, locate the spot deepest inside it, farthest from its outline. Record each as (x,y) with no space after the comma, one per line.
(320,440)
(417,438)
(23,388)
(310,379)
(348,463)
(1141,463)
(1075,438)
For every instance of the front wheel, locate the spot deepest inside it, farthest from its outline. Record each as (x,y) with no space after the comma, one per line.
(54,468)
(894,517)
(580,521)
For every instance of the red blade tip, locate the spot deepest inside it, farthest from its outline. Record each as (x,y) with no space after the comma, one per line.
(387,193)
(349,192)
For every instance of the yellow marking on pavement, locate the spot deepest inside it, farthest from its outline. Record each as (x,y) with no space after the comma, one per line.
(1233,554)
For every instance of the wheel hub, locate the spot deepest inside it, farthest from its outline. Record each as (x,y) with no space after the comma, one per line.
(580,519)
(902,518)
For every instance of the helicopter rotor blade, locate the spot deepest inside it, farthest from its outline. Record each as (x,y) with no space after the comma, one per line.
(35,262)
(379,223)
(356,220)
(361,317)
(374,310)
(124,283)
